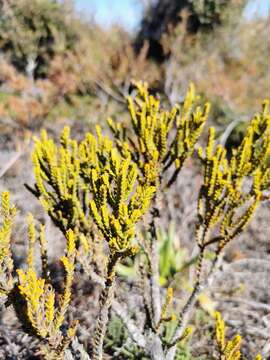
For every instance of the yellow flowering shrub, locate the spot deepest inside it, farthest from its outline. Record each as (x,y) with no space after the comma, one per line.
(101,188)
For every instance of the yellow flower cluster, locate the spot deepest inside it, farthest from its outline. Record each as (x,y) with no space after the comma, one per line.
(119,202)
(112,183)
(167,304)
(57,174)
(234,187)
(92,176)
(231,349)
(161,139)
(43,315)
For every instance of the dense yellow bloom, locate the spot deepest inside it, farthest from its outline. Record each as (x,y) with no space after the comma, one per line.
(225,193)
(231,349)
(57,177)
(111,184)
(119,200)
(43,314)
(160,139)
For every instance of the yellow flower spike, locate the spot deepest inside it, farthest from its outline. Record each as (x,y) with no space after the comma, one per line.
(236,356)
(187,333)
(177,163)
(5,203)
(95,214)
(257,181)
(213,176)
(71,246)
(7,214)
(68,265)
(132,111)
(211,142)
(98,132)
(111,124)
(231,350)
(31,239)
(66,297)
(39,182)
(65,136)
(228,350)
(72,330)
(31,288)
(220,331)
(85,243)
(49,305)
(190,97)
(105,215)
(207,108)
(167,303)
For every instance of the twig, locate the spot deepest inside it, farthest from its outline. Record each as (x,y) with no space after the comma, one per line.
(251,330)
(254,304)
(110,92)
(10,163)
(198,288)
(228,130)
(190,302)
(249,262)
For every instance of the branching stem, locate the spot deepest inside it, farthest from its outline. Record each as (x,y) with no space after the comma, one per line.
(190,302)
(154,271)
(106,298)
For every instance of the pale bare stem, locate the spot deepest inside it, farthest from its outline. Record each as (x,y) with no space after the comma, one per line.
(151,342)
(154,271)
(155,347)
(95,277)
(106,298)
(132,329)
(188,307)
(215,264)
(170,355)
(200,285)
(145,292)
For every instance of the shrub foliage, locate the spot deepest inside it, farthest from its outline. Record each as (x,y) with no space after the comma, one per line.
(100,188)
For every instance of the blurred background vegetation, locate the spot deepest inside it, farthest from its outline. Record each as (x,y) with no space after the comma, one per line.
(59,64)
